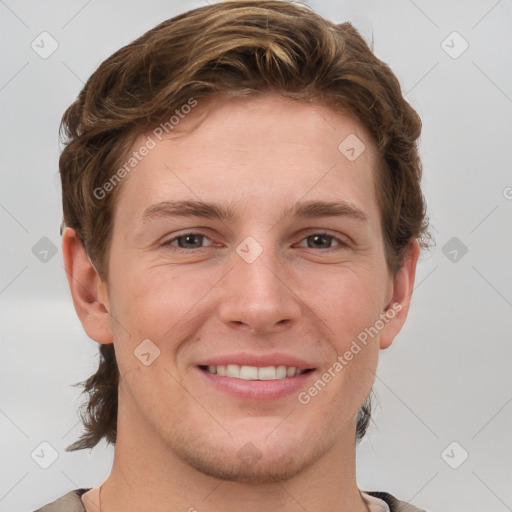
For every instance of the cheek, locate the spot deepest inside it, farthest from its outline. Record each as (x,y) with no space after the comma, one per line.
(348,300)
(349,306)
(164,304)
(150,294)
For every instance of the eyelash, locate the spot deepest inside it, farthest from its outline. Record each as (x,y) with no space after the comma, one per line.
(342,243)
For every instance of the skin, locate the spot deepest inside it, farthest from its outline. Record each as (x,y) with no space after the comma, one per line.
(178,437)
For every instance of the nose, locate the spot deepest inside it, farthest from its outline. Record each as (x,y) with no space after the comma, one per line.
(260,296)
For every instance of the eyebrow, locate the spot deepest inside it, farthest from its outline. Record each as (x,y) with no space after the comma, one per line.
(307,209)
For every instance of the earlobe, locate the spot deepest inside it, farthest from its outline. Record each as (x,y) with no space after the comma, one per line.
(87,289)
(397,309)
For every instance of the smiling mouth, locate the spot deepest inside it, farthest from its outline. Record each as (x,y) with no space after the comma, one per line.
(255,372)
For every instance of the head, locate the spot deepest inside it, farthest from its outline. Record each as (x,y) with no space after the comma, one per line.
(254,105)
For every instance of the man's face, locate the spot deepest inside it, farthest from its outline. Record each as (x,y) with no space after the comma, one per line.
(256,290)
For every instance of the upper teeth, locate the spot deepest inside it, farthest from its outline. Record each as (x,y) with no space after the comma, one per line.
(255,372)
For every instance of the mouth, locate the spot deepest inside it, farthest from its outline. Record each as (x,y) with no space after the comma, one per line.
(245,372)
(257,384)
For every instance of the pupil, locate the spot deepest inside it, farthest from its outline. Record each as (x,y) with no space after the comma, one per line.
(320,237)
(190,238)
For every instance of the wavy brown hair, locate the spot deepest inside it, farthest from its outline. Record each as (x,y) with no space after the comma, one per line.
(232,49)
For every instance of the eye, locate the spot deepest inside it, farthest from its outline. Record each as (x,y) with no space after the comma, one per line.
(321,240)
(191,241)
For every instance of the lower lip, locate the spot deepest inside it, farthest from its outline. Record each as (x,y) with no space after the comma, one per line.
(257,389)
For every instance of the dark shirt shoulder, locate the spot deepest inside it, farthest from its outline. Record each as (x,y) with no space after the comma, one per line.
(69,502)
(394,504)
(72,502)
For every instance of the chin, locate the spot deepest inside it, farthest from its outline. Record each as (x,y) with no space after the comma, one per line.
(248,465)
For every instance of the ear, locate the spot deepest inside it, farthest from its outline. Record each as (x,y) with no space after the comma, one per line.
(402,287)
(89,293)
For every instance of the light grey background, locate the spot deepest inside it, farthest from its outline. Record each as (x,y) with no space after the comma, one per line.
(446,378)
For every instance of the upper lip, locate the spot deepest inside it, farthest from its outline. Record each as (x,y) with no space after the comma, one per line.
(260,360)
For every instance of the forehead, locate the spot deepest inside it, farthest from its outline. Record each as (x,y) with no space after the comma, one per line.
(265,148)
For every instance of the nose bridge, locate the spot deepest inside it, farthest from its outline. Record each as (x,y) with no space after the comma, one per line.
(257,292)
(257,267)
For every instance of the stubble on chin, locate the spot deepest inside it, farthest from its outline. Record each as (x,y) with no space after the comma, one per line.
(248,464)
